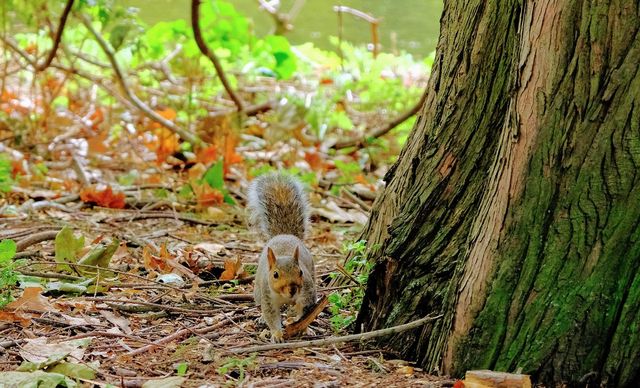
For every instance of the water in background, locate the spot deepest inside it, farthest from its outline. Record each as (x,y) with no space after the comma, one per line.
(415,23)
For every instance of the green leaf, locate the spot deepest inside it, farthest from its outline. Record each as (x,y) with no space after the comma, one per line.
(181,368)
(67,247)
(7,251)
(215,176)
(100,256)
(118,34)
(37,379)
(75,371)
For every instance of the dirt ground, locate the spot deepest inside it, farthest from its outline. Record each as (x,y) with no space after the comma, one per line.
(142,330)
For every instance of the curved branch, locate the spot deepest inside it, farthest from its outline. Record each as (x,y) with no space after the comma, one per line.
(361,141)
(186,135)
(58,37)
(197,34)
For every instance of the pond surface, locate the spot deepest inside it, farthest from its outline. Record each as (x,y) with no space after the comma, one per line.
(409,25)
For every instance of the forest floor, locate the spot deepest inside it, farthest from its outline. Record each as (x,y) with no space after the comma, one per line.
(157,313)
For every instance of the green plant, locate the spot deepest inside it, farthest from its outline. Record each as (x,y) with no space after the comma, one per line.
(240,365)
(8,273)
(344,304)
(6,180)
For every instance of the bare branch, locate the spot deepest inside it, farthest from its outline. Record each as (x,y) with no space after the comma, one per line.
(337,340)
(362,141)
(186,135)
(197,34)
(58,37)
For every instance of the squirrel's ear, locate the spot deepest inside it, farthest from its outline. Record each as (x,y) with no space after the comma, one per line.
(271,257)
(296,254)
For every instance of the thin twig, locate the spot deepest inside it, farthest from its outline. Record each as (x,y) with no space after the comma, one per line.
(197,33)
(186,135)
(198,330)
(152,215)
(336,340)
(36,238)
(362,141)
(58,37)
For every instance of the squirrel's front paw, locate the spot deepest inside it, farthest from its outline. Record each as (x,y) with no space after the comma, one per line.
(276,336)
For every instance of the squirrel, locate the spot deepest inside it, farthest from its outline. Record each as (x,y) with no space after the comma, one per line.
(279,209)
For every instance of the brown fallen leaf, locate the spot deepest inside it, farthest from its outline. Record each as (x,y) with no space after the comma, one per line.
(233,269)
(24,308)
(155,262)
(103,196)
(300,326)
(12,317)
(31,300)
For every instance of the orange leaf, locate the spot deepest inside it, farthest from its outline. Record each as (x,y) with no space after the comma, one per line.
(96,117)
(153,262)
(206,195)
(17,168)
(104,198)
(167,144)
(230,155)
(9,316)
(233,269)
(97,143)
(207,155)
(167,113)
(315,161)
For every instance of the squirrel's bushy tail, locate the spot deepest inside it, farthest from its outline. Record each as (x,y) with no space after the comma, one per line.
(278,205)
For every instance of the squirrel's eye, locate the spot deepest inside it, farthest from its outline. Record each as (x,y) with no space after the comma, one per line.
(300,272)
(275,274)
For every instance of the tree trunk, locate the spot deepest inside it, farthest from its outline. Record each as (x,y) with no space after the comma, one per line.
(514,208)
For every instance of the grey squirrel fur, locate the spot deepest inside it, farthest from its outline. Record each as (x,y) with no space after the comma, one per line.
(279,209)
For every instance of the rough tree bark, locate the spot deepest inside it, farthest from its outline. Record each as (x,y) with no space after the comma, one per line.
(514,208)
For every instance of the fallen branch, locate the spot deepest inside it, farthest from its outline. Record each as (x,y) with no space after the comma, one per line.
(156,306)
(197,34)
(186,135)
(360,142)
(36,238)
(198,330)
(300,326)
(58,37)
(150,215)
(336,340)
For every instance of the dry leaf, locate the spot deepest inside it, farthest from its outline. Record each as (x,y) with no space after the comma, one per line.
(233,269)
(207,155)
(10,316)
(38,350)
(212,248)
(31,300)
(406,370)
(153,262)
(105,197)
(315,161)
